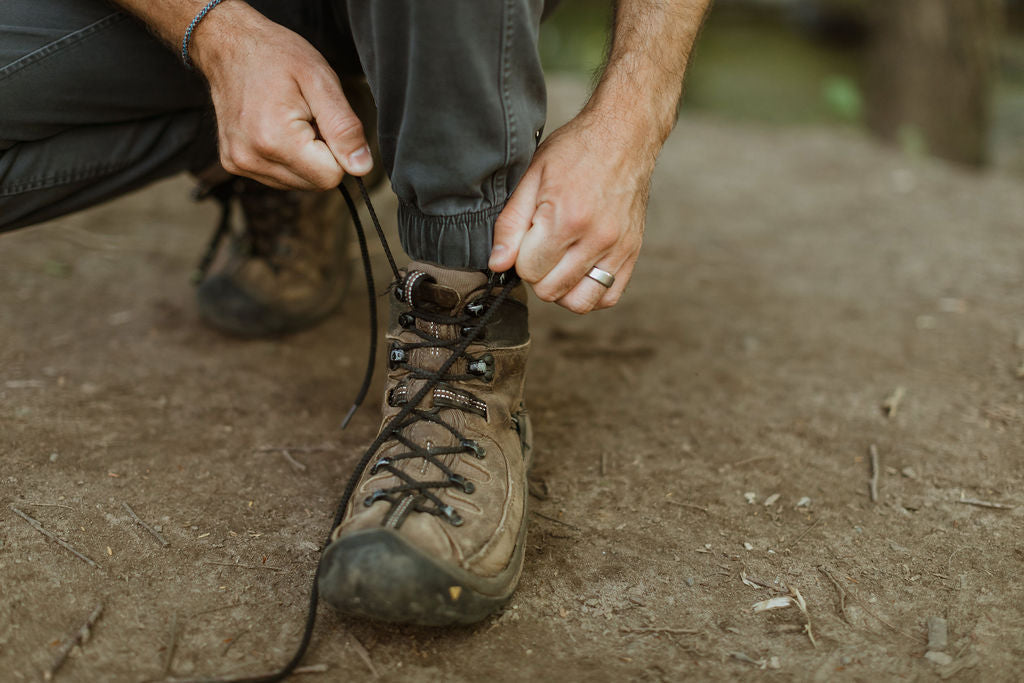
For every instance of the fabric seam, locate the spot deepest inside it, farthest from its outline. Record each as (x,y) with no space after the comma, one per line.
(41,53)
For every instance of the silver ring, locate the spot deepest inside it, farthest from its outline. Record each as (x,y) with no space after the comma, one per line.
(602,277)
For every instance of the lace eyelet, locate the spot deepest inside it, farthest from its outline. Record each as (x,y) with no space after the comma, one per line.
(483,367)
(396,356)
(474,448)
(406,320)
(467,486)
(467,330)
(453,517)
(374,497)
(383,462)
(476,308)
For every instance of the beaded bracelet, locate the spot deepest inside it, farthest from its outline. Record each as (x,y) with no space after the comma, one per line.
(185,41)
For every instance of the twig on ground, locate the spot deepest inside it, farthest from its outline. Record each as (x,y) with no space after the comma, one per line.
(661,629)
(364,655)
(49,505)
(802,606)
(884,622)
(172,645)
(689,505)
(839,589)
(239,565)
(747,659)
(985,504)
(53,537)
(803,533)
(873,483)
(296,465)
(892,403)
(156,534)
(216,609)
(232,640)
(79,637)
(311,669)
(748,461)
(556,521)
(295,449)
(604,463)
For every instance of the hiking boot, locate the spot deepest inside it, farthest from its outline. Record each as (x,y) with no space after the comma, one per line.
(285,268)
(435,528)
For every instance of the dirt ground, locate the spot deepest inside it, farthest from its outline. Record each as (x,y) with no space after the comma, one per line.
(716,426)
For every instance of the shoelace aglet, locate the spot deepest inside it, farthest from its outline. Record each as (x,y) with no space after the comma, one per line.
(351,412)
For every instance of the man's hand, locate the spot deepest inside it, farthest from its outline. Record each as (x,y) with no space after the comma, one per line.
(282,117)
(583,201)
(581,204)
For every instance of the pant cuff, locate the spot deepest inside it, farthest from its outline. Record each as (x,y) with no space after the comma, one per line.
(460,241)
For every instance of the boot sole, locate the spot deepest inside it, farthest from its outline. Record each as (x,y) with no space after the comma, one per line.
(249,319)
(377,574)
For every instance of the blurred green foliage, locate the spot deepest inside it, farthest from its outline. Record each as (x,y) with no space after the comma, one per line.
(745,66)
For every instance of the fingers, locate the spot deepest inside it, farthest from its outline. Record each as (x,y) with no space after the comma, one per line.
(513,223)
(614,293)
(340,128)
(587,294)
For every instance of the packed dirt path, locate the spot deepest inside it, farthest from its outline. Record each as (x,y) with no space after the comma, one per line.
(701,448)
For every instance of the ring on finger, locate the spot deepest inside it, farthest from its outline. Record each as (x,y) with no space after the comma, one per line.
(601,277)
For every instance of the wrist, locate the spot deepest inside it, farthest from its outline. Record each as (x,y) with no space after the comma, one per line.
(643,114)
(216,38)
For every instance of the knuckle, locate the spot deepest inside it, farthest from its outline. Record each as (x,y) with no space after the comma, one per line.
(578,307)
(262,143)
(545,293)
(243,159)
(605,238)
(347,128)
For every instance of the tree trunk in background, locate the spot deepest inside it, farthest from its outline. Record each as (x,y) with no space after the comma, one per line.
(931,68)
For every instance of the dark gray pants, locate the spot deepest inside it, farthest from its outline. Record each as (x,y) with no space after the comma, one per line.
(92,106)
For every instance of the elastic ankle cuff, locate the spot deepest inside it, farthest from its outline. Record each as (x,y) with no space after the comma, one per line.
(460,241)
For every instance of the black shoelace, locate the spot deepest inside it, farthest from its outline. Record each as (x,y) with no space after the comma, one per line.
(471,324)
(262,226)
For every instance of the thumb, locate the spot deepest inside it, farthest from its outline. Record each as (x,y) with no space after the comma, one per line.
(513,222)
(338,124)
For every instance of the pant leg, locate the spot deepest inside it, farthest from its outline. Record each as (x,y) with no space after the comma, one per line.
(461,97)
(93,106)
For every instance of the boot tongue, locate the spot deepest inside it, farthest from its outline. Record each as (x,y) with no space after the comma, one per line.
(451,287)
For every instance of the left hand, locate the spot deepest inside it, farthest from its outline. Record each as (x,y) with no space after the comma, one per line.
(582,203)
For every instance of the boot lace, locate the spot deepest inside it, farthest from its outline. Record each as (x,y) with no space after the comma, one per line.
(471,324)
(269,216)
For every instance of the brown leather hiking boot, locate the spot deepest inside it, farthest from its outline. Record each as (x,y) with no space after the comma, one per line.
(285,267)
(435,527)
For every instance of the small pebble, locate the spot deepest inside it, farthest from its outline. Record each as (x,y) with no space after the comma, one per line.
(803,502)
(747,546)
(689,581)
(846,660)
(751,497)
(909,472)
(938,634)
(53,457)
(940,658)
(771,500)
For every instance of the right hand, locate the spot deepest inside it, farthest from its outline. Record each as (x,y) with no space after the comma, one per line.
(281,114)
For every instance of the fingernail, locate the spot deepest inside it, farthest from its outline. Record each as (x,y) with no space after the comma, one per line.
(360,161)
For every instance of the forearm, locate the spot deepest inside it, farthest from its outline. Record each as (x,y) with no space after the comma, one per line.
(643,79)
(169,19)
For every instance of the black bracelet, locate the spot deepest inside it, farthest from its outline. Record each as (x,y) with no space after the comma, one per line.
(192,27)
